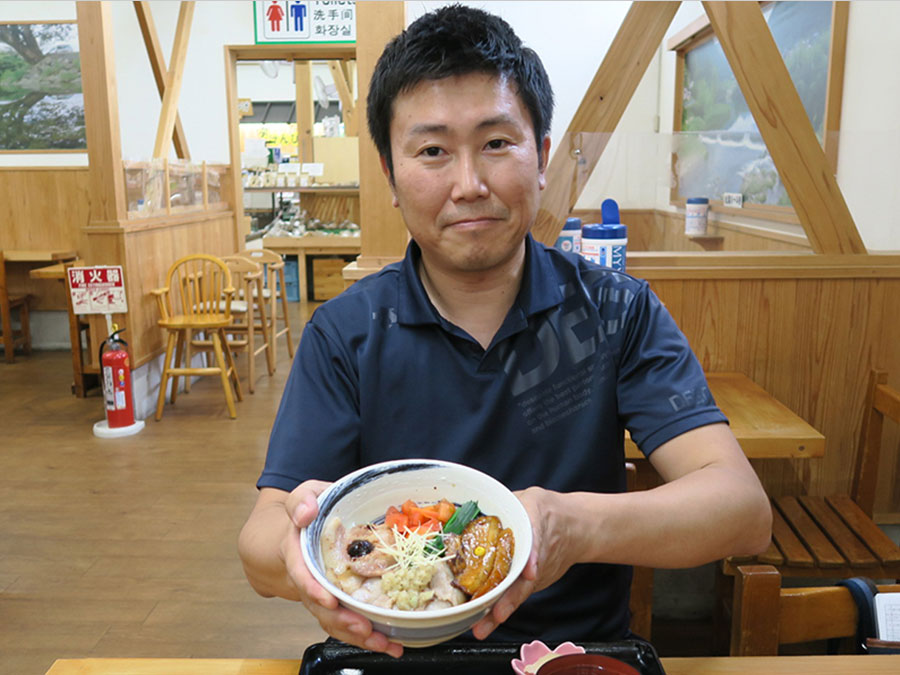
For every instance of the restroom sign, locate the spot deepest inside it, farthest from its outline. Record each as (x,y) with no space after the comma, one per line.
(97,290)
(304,21)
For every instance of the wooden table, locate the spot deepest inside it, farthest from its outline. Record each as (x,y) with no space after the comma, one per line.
(38,255)
(725,665)
(84,375)
(765,427)
(316,244)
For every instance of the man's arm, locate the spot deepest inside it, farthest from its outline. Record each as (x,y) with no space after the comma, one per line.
(711,506)
(269,546)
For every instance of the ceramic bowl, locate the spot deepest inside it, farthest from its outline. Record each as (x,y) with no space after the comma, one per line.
(364,495)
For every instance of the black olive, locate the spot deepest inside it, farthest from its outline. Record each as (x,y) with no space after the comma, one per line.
(359,548)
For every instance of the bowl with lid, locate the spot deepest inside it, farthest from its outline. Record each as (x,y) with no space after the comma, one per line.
(364,496)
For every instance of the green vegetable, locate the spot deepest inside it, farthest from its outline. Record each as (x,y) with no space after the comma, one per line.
(457,523)
(461,517)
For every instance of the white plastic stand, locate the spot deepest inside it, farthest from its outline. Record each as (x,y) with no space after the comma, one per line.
(103,430)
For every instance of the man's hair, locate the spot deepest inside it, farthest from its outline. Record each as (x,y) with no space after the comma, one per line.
(455,40)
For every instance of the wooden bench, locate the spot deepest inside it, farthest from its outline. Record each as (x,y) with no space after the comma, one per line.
(767,615)
(832,536)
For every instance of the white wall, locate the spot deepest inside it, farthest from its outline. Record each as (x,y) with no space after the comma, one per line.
(572,38)
(869,157)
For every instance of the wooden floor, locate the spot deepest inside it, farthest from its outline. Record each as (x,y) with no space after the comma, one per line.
(127,547)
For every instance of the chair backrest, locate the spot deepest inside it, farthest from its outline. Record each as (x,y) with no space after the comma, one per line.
(263,256)
(767,615)
(881,400)
(199,284)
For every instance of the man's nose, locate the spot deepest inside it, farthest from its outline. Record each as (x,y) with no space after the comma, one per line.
(469,181)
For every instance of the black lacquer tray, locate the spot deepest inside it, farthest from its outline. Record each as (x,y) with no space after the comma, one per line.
(457,658)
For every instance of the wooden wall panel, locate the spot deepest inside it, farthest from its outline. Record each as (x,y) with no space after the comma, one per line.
(42,208)
(145,253)
(656,230)
(811,343)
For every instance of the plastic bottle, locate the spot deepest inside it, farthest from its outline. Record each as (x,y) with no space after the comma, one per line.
(605,244)
(569,239)
(695,216)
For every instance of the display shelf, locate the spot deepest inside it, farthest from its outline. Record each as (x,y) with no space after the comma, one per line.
(342,190)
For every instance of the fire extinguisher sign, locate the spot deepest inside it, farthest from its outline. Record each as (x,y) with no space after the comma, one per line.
(97,290)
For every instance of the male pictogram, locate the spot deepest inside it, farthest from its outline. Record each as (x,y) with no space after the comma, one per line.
(298,14)
(275,14)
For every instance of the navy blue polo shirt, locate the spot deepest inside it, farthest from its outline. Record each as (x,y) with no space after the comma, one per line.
(584,353)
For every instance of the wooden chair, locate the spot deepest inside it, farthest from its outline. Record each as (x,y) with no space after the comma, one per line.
(10,337)
(829,537)
(767,615)
(197,297)
(246,276)
(273,264)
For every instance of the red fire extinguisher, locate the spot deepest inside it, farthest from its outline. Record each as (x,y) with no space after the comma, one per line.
(117,381)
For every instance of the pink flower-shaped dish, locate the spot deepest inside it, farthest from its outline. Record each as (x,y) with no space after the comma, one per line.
(535,654)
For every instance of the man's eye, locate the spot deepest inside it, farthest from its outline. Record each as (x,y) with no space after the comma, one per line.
(433,151)
(497,144)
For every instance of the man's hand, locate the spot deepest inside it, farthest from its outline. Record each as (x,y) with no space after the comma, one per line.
(543,567)
(274,564)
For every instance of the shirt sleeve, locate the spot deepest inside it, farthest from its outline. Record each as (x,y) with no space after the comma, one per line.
(316,429)
(662,390)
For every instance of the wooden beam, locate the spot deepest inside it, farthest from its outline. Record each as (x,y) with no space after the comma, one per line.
(173,81)
(383,235)
(348,105)
(101,112)
(834,94)
(303,92)
(241,226)
(618,76)
(158,66)
(785,126)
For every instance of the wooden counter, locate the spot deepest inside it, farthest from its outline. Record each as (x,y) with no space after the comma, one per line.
(731,665)
(316,244)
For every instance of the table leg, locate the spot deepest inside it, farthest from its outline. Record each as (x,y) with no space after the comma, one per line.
(301,273)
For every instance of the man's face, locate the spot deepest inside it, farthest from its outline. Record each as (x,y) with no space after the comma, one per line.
(467,172)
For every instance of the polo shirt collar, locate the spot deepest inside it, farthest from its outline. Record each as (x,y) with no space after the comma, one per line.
(540,289)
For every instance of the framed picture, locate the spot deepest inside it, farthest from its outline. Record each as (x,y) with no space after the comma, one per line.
(717,147)
(41,101)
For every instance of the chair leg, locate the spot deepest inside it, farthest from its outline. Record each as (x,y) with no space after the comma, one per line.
(187,358)
(284,309)
(723,612)
(268,333)
(641,604)
(26,328)
(161,400)
(179,353)
(230,359)
(217,337)
(9,343)
(251,346)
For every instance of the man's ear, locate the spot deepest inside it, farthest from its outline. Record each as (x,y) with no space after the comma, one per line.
(390,178)
(544,158)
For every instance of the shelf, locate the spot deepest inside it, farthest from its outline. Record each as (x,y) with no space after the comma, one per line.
(337,190)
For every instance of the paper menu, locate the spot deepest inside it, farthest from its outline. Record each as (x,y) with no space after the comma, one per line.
(887,616)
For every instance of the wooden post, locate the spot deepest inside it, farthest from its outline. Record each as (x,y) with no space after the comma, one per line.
(173,81)
(346,96)
(383,235)
(101,113)
(158,66)
(785,127)
(608,95)
(232,185)
(303,87)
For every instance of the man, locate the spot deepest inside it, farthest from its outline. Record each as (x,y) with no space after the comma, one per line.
(486,348)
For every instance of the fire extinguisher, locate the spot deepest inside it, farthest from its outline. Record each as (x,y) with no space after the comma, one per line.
(117,381)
